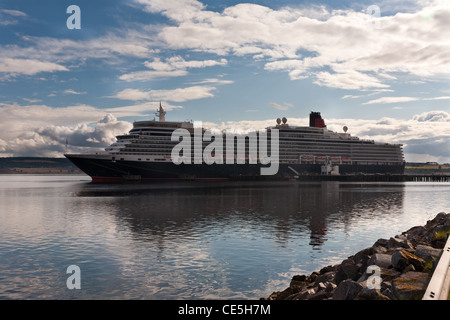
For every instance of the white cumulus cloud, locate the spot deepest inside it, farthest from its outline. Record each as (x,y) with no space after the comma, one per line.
(343,49)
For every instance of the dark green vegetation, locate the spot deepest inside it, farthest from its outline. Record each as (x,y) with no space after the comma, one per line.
(33,165)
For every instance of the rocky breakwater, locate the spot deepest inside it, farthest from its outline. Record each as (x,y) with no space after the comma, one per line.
(398,268)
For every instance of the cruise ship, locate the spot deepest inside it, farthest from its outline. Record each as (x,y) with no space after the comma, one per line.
(147,153)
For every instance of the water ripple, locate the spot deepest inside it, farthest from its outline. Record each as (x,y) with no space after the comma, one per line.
(190,241)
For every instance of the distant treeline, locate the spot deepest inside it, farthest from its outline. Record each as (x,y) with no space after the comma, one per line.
(32,162)
(36,165)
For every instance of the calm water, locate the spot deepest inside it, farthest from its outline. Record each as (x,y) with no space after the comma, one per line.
(191,240)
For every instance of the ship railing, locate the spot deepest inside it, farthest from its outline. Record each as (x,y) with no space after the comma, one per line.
(439,285)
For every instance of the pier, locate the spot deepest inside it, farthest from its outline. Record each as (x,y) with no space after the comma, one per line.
(377,178)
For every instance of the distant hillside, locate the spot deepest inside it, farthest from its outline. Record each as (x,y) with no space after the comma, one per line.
(34,165)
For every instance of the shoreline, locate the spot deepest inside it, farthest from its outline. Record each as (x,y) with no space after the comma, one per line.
(398,268)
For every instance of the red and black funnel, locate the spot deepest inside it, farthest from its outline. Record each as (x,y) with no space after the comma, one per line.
(316,121)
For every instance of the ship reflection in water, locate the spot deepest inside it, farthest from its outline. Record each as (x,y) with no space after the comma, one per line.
(280,209)
(191,240)
(241,240)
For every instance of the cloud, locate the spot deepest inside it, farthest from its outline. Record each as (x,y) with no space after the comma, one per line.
(71,91)
(9,17)
(45,54)
(284,106)
(14,13)
(28,66)
(304,42)
(32,100)
(213,81)
(178,10)
(103,133)
(126,42)
(351,96)
(133,94)
(171,67)
(151,74)
(387,100)
(433,116)
(350,80)
(426,136)
(439,98)
(146,109)
(335,48)
(40,130)
(177,62)
(175,95)
(17,119)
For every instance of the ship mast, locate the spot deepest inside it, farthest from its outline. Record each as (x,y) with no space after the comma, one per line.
(160,113)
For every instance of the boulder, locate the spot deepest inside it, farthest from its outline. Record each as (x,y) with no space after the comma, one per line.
(326,277)
(399,242)
(381,243)
(282,295)
(381,260)
(348,269)
(389,274)
(299,281)
(371,294)
(388,293)
(347,290)
(305,294)
(327,269)
(438,221)
(416,233)
(410,285)
(330,286)
(321,295)
(363,256)
(402,258)
(427,252)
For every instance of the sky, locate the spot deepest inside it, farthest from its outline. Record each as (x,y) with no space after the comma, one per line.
(381,68)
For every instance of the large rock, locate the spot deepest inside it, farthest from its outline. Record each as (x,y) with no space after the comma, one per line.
(304,294)
(427,252)
(410,285)
(417,235)
(363,256)
(299,281)
(371,294)
(348,269)
(402,258)
(380,259)
(438,222)
(389,274)
(381,243)
(347,290)
(399,241)
(326,277)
